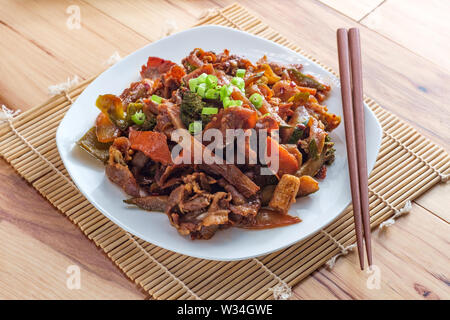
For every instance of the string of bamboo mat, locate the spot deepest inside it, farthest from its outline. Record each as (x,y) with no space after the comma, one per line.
(408,164)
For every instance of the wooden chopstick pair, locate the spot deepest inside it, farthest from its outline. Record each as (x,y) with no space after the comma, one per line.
(350,69)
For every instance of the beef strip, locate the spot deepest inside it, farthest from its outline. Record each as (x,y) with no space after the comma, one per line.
(167,175)
(168,118)
(150,203)
(117,169)
(197,203)
(155,67)
(171,81)
(236,197)
(233,175)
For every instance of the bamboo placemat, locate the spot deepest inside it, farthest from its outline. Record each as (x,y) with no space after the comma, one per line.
(408,164)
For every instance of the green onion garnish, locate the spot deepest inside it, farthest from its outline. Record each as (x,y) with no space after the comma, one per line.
(193,84)
(256,99)
(226,102)
(201,89)
(240,73)
(195,127)
(212,94)
(231,103)
(138,117)
(208,110)
(156,99)
(238,82)
(267,114)
(211,81)
(225,92)
(202,78)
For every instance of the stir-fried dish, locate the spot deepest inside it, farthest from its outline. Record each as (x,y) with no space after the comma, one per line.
(134,137)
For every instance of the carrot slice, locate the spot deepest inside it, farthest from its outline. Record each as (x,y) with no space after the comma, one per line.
(287,162)
(268,72)
(152,144)
(311,91)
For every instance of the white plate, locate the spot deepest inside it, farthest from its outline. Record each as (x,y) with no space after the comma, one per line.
(316,211)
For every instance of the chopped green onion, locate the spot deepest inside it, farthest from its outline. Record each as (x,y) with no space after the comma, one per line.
(208,110)
(156,99)
(231,103)
(226,102)
(202,78)
(212,94)
(201,89)
(256,99)
(138,118)
(240,73)
(211,81)
(225,92)
(195,127)
(238,82)
(193,84)
(267,114)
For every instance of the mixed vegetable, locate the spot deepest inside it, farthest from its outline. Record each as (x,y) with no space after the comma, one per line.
(132,135)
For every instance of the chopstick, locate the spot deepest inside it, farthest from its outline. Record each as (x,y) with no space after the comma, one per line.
(360,132)
(352,101)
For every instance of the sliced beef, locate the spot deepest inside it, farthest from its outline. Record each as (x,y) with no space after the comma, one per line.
(234,176)
(137,90)
(168,118)
(285,89)
(150,203)
(155,67)
(230,63)
(236,197)
(166,176)
(117,169)
(197,203)
(171,81)
(197,58)
(248,209)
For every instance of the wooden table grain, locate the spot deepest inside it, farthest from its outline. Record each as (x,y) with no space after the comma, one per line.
(406,68)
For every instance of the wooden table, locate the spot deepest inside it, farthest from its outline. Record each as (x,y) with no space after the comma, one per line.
(406,69)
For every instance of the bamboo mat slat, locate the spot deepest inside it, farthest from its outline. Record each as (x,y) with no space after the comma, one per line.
(408,165)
